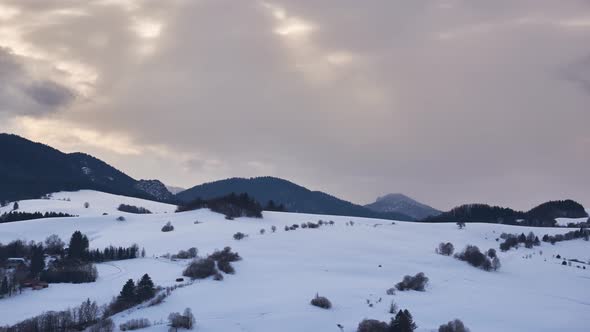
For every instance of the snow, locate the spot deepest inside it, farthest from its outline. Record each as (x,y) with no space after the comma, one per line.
(566,221)
(73,203)
(282,271)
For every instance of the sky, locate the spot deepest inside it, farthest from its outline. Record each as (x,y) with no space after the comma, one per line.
(447,101)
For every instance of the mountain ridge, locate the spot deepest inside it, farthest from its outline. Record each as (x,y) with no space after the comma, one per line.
(294,197)
(31,169)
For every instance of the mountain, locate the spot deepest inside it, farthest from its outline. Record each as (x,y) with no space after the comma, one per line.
(400,203)
(155,188)
(295,198)
(542,215)
(30,170)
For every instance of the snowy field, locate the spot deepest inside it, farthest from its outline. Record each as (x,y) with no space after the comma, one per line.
(281,272)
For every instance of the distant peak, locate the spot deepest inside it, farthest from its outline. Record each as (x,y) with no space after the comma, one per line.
(394,196)
(400,203)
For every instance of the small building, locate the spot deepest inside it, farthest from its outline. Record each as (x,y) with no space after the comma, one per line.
(13,263)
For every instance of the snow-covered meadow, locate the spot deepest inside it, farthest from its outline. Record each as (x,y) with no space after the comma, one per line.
(281,272)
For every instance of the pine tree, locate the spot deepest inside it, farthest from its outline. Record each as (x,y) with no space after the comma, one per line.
(403,322)
(78,245)
(145,288)
(4,287)
(15,206)
(128,292)
(37,260)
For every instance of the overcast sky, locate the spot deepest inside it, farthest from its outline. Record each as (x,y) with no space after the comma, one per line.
(447,101)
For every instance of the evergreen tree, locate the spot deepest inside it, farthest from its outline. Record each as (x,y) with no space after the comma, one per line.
(145,288)
(4,287)
(78,245)
(37,260)
(403,322)
(15,206)
(128,292)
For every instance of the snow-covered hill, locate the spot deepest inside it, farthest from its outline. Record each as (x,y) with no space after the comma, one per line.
(282,271)
(98,204)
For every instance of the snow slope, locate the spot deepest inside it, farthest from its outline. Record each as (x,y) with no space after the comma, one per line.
(99,203)
(282,271)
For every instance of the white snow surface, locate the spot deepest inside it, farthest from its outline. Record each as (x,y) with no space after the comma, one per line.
(281,272)
(99,203)
(566,221)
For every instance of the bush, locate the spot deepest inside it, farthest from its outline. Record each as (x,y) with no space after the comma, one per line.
(226,267)
(321,302)
(184,321)
(133,209)
(135,324)
(225,255)
(168,227)
(417,283)
(239,236)
(372,325)
(474,257)
(200,268)
(390,291)
(403,322)
(445,249)
(158,299)
(120,218)
(453,326)
(492,253)
(392,308)
(190,253)
(103,325)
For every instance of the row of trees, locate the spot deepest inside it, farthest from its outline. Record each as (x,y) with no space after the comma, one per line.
(112,253)
(133,209)
(541,216)
(232,206)
(89,316)
(512,240)
(20,216)
(75,319)
(582,233)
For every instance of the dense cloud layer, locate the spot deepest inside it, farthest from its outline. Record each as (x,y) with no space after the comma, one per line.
(447,101)
(22,93)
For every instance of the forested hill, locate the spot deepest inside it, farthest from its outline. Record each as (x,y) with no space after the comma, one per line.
(542,215)
(293,197)
(30,170)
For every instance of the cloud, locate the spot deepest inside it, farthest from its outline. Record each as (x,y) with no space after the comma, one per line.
(449,101)
(21,93)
